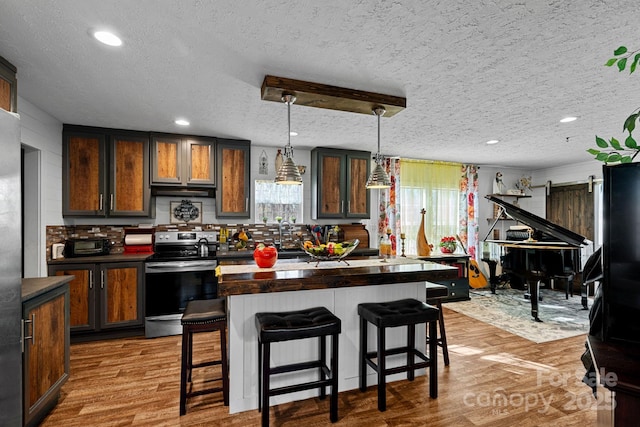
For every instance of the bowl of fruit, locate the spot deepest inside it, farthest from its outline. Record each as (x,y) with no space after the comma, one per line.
(265,256)
(331,251)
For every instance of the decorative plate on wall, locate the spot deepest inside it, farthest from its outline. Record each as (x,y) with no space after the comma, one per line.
(186,211)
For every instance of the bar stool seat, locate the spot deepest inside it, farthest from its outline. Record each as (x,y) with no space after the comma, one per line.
(405,312)
(294,325)
(203,316)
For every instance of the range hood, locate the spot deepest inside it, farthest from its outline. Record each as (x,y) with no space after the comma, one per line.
(184,191)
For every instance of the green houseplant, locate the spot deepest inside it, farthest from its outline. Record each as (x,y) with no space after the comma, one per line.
(613,151)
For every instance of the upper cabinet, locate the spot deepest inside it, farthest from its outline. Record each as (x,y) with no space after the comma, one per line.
(338,179)
(8,86)
(105,172)
(233,168)
(183,161)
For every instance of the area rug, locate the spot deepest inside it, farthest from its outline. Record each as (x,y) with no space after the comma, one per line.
(507,309)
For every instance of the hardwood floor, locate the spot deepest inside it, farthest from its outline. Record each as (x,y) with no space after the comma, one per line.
(494,379)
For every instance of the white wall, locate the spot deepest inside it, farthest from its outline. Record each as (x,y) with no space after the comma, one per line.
(41,134)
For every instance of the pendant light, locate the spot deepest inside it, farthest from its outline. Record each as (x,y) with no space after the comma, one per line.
(378,177)
(288,172)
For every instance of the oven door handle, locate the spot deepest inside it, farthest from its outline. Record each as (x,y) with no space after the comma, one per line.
(167,267)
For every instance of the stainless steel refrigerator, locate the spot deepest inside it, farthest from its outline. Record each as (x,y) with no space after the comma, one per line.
(10,271)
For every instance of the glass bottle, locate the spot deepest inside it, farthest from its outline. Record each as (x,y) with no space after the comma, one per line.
(385,247)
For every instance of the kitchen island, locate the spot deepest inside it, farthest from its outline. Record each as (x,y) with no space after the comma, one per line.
(297,284)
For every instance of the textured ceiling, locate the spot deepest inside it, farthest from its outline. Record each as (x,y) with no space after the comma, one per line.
(470,70)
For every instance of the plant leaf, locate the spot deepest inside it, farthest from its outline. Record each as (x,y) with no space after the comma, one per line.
(625,159)
(610,62)
(635,63)
(630,123)
(602,157)
(616,144)
(630,143)
(622,63)
(620,51)
(593,151)
(613,157)
(601,142)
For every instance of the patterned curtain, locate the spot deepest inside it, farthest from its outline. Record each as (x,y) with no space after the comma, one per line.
(389,218)
(468,218)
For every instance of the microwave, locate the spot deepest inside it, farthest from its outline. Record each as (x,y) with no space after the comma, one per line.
(86,247)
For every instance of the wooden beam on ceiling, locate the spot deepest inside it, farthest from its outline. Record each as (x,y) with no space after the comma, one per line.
(330,97)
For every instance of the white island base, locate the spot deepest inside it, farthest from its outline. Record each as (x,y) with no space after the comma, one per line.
(343,302)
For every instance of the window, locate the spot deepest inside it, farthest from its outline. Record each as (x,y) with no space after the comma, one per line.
(435,187)
(274,200)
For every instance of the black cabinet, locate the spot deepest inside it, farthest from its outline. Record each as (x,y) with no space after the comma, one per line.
(104,296)
(338,184)
(183,161)
(458,287)
(105,173)
(233,168)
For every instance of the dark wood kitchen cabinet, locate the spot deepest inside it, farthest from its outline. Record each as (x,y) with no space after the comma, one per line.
(338,179)
(182,161)
(104,296)
(234,186)
(8,86)
(45,366)
(105,173)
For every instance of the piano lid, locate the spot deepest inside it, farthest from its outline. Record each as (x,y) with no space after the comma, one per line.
(540,224)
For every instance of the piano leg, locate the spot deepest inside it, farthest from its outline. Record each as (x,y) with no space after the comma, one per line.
(535,292)
(493,279)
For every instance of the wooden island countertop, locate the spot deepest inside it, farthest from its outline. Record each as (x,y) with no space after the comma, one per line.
(244,277)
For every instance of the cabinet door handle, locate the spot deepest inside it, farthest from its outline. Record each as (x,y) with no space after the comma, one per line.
(246,204)
(90,279)
(102,279)
(342,206)
(100,202)
(33,330)
(349,206)
(111,202)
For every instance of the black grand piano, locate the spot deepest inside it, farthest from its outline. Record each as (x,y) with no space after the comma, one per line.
(544,252)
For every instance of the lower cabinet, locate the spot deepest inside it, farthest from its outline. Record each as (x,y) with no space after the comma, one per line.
(458,287)
(104,296)
(45,363)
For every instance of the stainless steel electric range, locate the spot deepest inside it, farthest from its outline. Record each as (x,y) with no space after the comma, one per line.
(181,269)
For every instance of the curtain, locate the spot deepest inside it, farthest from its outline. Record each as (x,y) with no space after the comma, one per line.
(389,209)
(433,186)
(468,214)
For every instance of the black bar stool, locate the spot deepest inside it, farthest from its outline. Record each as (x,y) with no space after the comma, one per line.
(203,316)
(406,312)
(294,325)
(435,294)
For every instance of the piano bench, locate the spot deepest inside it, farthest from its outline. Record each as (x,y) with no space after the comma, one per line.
(568,278)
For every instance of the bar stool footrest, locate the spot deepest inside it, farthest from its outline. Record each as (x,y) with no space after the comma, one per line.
(299,387)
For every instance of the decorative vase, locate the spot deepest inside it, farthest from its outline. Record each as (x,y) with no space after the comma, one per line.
(423,247)
(445,250)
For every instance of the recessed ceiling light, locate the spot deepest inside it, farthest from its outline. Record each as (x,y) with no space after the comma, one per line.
(182,122)
(107,38)
(492,141)
(292,133)
(568,119)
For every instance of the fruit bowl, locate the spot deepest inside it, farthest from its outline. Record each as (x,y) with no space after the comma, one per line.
(330,251)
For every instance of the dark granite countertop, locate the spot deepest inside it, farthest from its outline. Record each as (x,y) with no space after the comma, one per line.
(294,275)
(102,258)
(33,287)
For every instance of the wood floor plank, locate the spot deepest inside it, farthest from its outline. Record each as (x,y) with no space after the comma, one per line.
(495,379)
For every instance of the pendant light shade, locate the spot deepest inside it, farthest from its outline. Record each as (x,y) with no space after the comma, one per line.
(378,177)
(288,172)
